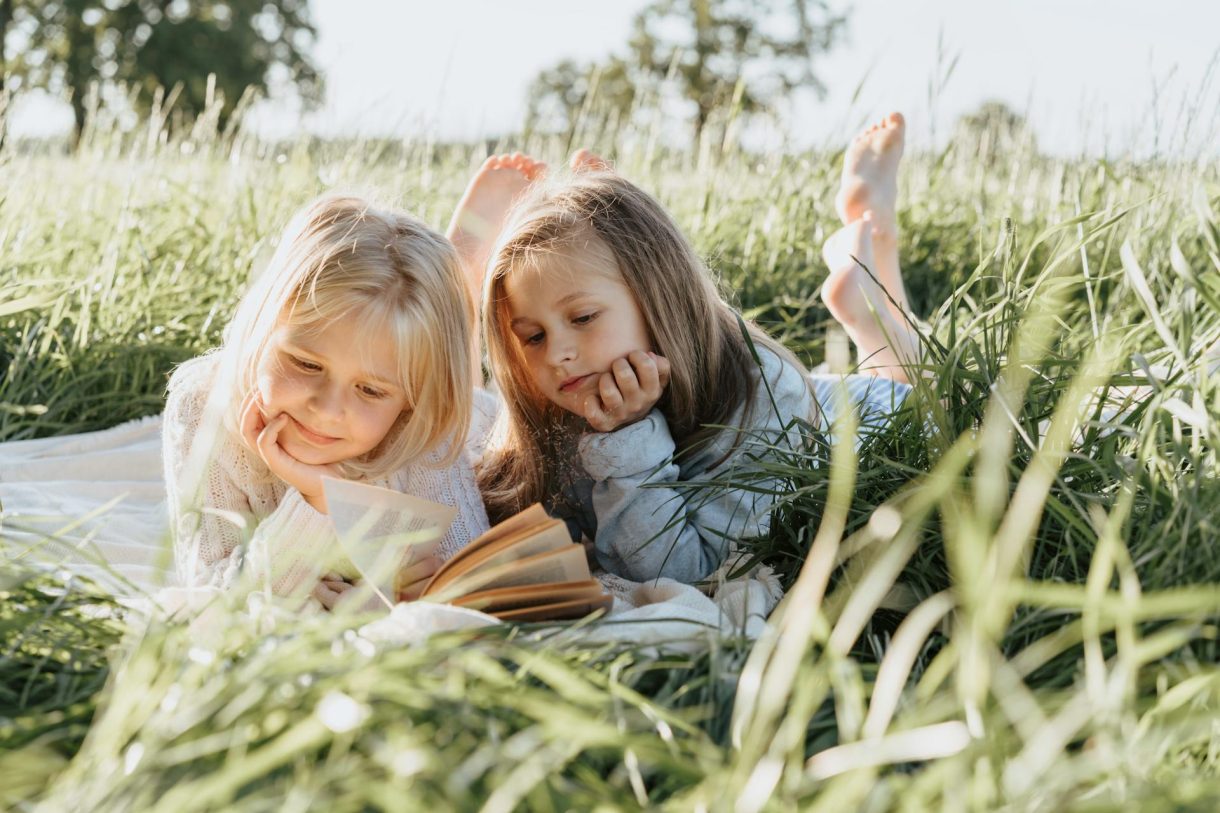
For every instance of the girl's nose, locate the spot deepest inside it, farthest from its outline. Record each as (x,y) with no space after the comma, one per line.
(327,400)
(561,350)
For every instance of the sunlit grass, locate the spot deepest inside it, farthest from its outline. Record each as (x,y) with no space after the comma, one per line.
(1006,598)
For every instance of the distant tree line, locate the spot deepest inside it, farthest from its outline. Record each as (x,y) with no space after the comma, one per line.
(201,51)
(738,56)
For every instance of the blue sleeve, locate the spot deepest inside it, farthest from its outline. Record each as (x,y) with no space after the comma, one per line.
(672,527)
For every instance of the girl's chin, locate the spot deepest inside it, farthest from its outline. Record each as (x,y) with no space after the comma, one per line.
(572,406)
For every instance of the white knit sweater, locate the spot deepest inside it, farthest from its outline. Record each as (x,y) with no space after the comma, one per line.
(221,494)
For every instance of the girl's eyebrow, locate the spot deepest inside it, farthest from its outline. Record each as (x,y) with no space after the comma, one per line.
(564,300)
(574,295)
(365,375)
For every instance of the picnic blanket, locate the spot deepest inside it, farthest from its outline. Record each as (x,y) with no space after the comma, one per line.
(94,504)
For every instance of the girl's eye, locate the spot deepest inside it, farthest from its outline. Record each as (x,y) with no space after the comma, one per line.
(584,318)
(535,338)
(371,392)
(307,366)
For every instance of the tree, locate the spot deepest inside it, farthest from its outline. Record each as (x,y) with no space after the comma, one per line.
(747,53)
(561,96)
(993,130)
(65,46)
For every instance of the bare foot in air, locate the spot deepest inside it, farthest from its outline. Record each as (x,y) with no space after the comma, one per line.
(584,160)
(870,183)
(484,207)
(852,297)
(885,344)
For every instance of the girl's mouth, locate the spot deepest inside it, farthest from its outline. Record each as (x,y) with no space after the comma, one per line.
(310,436)
(573,383)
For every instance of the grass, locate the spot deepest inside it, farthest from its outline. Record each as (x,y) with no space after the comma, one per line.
(1006,598)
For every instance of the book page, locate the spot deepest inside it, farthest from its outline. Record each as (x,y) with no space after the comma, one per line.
(381,530)
(516,525)
(530,541)
(510,598)
(568,564)
(534,515)
(560,610)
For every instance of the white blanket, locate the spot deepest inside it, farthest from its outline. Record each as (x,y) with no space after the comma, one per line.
(95,503)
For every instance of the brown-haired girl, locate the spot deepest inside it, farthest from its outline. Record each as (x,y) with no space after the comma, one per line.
(626,381)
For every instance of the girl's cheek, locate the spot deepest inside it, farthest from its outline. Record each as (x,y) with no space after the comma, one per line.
(275,389)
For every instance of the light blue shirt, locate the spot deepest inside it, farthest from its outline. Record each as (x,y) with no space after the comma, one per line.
(647,514)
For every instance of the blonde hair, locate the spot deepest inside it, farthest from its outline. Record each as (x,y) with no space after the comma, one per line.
(621,227)
(342,258)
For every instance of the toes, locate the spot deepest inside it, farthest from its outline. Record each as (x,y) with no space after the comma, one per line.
(518,162)
(536,170)
(579,159)
(584,160)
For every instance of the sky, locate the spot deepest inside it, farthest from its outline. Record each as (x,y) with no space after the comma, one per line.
(1091,75)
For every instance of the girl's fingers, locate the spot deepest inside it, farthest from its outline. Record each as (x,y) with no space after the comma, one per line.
(663,369)
(625,378)
(596,416)
(268,446)
(646,373)
(325,595)
(628,391)
(608,390)
(609,396)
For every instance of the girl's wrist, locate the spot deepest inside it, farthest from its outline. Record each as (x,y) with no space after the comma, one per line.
(639,448)
(316,501)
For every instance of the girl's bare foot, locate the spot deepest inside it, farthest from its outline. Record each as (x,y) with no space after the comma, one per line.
(584,160)
(870,171)
(850,294)
(886,345)
(483,210)
(870,183)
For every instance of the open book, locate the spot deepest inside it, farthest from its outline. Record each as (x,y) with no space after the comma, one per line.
(525,569)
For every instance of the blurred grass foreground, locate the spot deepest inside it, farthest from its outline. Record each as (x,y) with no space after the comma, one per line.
(1006,599)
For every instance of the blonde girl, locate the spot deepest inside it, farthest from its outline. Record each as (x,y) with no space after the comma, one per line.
(626,381)
(350,357)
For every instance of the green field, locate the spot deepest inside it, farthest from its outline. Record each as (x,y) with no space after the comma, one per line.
(1009,599)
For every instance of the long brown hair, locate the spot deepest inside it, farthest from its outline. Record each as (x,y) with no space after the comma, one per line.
(712,370)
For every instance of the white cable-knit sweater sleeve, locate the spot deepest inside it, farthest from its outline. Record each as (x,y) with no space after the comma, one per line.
(230,519)
(452,485)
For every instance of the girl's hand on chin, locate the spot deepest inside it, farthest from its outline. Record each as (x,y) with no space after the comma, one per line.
(628,392)
(262,437)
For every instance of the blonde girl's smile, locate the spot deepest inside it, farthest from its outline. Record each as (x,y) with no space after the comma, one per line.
(310,436)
